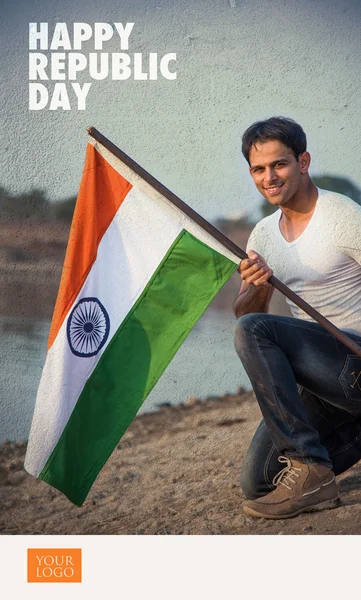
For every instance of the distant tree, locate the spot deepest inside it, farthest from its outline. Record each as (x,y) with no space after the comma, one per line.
(267,208)
(341,185)
(64,209)
(34,206)
(226,225)
(3,196)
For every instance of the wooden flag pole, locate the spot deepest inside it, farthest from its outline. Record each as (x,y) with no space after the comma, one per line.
(281,287)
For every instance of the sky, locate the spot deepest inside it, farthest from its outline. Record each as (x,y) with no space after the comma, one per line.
(237,61)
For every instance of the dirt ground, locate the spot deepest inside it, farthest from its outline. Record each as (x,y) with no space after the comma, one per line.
(175,471)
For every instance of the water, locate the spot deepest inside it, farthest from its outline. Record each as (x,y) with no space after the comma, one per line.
(205,365)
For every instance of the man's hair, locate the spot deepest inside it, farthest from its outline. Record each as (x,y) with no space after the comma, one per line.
(282,129)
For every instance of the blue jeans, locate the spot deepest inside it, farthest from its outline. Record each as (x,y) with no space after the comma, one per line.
(322,424)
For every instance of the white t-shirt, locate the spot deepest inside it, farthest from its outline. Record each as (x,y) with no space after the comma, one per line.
(323,265)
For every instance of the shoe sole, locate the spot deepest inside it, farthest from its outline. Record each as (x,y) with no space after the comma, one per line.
(326,504)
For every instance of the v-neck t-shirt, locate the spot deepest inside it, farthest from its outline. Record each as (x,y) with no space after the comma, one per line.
(323,264)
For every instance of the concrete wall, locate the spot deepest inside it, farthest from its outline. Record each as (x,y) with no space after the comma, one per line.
(237,61)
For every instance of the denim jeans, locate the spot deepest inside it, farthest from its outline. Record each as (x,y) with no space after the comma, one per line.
(322,424)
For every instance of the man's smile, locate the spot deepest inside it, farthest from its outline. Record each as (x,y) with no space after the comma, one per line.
(273,189)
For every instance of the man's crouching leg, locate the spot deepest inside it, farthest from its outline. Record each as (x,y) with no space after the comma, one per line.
(305,480)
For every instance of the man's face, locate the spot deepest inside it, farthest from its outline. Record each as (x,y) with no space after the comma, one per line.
(276,172)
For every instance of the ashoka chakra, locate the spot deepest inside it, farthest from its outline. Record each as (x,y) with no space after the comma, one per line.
(88,327)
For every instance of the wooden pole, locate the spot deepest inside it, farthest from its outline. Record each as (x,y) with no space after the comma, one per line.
(281,287)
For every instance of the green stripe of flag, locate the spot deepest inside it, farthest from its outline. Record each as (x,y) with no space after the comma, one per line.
(180,290)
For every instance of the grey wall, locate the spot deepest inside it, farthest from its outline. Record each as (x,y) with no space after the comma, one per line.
(238,61)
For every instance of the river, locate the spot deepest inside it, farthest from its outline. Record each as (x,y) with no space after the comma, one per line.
(205,365)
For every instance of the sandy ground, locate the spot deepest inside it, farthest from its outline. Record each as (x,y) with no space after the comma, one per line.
(175,471)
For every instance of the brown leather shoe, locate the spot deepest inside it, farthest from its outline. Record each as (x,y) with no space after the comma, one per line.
(300,487)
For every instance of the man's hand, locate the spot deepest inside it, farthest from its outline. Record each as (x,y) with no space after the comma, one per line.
(254,269)
(253,298)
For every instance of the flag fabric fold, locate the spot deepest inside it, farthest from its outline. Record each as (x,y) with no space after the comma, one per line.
(138,274)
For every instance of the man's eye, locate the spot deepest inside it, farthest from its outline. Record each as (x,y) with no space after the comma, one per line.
(281,164)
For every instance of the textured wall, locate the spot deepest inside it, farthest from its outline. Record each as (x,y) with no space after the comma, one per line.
(238,60)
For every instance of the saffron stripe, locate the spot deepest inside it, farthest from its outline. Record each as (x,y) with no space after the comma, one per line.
(102,190)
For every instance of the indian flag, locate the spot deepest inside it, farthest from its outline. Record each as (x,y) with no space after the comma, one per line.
(138,274)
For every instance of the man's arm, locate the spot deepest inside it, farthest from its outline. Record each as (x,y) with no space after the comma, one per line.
(255,293)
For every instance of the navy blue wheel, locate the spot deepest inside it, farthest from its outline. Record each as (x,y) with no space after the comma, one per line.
(87,327)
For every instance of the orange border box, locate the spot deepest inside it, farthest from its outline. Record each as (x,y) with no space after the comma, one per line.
(54,565)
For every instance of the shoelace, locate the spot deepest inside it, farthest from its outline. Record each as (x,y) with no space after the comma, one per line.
(285,476)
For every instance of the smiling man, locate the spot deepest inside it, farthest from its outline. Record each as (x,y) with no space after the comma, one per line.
(306,382)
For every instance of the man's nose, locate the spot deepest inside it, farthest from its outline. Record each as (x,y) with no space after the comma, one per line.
(269,175)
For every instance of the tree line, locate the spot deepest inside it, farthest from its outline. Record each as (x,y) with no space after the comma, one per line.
(34,206)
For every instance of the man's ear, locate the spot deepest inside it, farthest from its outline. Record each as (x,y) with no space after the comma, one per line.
(305,160)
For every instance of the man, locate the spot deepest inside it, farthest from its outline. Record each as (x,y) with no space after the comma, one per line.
(307,383)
